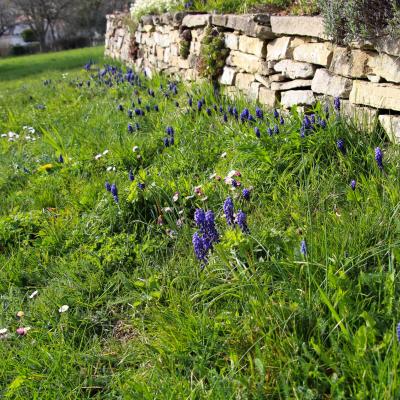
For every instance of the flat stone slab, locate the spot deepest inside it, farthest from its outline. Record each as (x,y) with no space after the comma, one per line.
(295,84)
(297,97)
(332,85)
(196,20)
(378,95)
(297,25)
(314,53)
(295,69)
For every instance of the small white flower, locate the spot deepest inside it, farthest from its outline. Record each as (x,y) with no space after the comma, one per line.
(34,294)
(231,173)
(63,309)
(3,331)
(98,156)
(135,149)
(167,209)
(223,155)
(3,135)
(110,169)
(105,152)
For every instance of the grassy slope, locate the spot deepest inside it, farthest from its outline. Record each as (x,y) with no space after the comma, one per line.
(144,320)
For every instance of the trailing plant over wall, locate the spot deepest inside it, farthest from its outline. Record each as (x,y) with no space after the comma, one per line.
(213,54)
(349,20)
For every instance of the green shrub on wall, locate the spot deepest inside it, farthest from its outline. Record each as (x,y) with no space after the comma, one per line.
(29,36)
(213,54)
(349,20)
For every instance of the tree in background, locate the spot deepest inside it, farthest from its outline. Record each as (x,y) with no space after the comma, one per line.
(7,15)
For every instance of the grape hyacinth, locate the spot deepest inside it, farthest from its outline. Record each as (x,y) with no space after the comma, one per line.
(225,118)
(353,184)
(229,211)
(60,159)
(199,247)
(257,131)
(259,113)
(379,157)
(114,192)
(340,146)
(130,128)
(303,247)
(398,331)
(336,103)
(241,220)
(199,217)
(108,186)
(276,129)
(246,194)
(131,176)
(141,186)
(276,114)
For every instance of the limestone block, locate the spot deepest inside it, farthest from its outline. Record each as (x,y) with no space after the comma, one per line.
(254,90)
(297,97)
(386,66)
(364,117)
(263,80)
(161,40)
(219,20)
(300,26)
(196,20)
(278,49)
(243,81)
(231,41)
(314,53)
(228,76)
(379,95)
(277,78)
(295,69)
(246,62)
(295,84)
(167,55)
(174,50)
(389,45)
(252,45)
(268,97)
(245,23)
(138,37)
(391,125)
(350,63)
(332,85)
(159,53)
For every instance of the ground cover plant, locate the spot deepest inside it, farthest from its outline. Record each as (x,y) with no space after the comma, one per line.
(157,241)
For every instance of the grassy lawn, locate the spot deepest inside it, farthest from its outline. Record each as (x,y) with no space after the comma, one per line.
(294,297)
(33,66)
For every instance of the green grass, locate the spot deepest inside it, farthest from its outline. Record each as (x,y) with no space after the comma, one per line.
(145,320)
(31,66)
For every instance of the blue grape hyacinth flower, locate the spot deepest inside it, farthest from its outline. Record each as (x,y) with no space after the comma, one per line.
(340,146)
(131,176)
(241,220)
(303,247)
(229,211)
(246,194)
(107,186)
(257,131)
(379,157)
(336,103)
(353,184)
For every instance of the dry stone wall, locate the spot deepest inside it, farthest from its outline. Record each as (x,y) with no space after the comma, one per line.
(276,60)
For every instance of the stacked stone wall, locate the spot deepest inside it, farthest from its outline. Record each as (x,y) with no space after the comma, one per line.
(276,60)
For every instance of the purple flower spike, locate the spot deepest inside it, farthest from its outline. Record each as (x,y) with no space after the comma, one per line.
(141,186)
(199,217)
(257,131)
(199,247)
(336,103)
(340,146)
(379,157)
(225,118)
(353,184)
(259,113)
(276,114)
(246,194)
(303,248)
(60,159)
(131,176)
(398,331)
(108,186)
(130,128)
(241,220)
(229,211)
